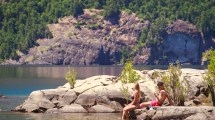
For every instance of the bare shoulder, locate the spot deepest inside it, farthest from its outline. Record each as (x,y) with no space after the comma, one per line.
(163,92)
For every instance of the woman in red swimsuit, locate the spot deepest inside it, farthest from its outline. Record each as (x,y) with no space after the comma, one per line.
(134,104)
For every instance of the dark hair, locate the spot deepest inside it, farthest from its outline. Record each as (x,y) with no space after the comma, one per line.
(160,83)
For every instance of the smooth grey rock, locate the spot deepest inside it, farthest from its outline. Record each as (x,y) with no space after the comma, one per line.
(176,112)
(2,96)
(68,97)
(53,110)
(36,102)
(73,108)
(52,93)
(197,116)
(86,98)
(101,109)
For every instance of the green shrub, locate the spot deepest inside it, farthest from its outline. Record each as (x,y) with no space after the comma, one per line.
(155,75)
(210,75)
(175,86)
(111,10)
(128,75)
(125,92)
(94,26)
(71,77)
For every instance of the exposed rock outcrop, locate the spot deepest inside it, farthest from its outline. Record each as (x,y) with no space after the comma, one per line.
(85,40)
(90,39)
(182,42)
(177,113)
(2,96)
(94,94)
(102,94)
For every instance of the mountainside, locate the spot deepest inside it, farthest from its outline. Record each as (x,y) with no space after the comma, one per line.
(189,24)
(87,39)
(90,39)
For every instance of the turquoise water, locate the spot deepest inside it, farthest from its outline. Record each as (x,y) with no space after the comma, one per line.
(17,82)
(22,80)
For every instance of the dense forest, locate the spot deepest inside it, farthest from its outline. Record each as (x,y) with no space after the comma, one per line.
(24,21)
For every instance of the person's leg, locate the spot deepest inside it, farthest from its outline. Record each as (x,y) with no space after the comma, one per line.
(127,109)
(124,112)
(145,104)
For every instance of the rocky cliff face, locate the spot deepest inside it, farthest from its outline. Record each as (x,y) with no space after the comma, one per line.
(182,42)
(90,39)
(85,40)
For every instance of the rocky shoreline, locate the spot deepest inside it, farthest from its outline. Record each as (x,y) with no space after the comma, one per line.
(2,96)
(177,113)
(104,94)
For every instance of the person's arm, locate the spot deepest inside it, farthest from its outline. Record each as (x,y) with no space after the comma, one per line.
(156,96)
(135,98)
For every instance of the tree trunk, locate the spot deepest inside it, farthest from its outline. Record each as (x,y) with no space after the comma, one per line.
(211,89)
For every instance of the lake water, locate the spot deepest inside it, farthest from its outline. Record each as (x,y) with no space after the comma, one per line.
(17,82)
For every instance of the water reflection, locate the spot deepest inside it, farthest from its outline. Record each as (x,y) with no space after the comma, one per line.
(56,71)
(21,80)
(61,116)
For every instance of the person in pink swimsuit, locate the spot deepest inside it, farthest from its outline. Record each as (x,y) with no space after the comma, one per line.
(159,98)
(135,104)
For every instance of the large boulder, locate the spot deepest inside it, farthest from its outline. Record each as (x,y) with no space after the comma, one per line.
(92,82)
(101,109)
(86,98)
(73,108)
(36,102)
(68,98)
(2,96)
(196,82)
(177,113)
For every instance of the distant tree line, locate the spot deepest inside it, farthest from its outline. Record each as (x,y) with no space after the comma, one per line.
(24,21)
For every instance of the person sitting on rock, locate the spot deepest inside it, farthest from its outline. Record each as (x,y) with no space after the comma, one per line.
(135,104)
(163,94)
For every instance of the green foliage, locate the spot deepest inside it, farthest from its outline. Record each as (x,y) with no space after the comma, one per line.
(24,21)
(94,26)
(176,87)
(155,75)
(71,77)
(210,76)
(128,75)
(207,55)
(77,8)
(111,10)
(125,52)
(125,92)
